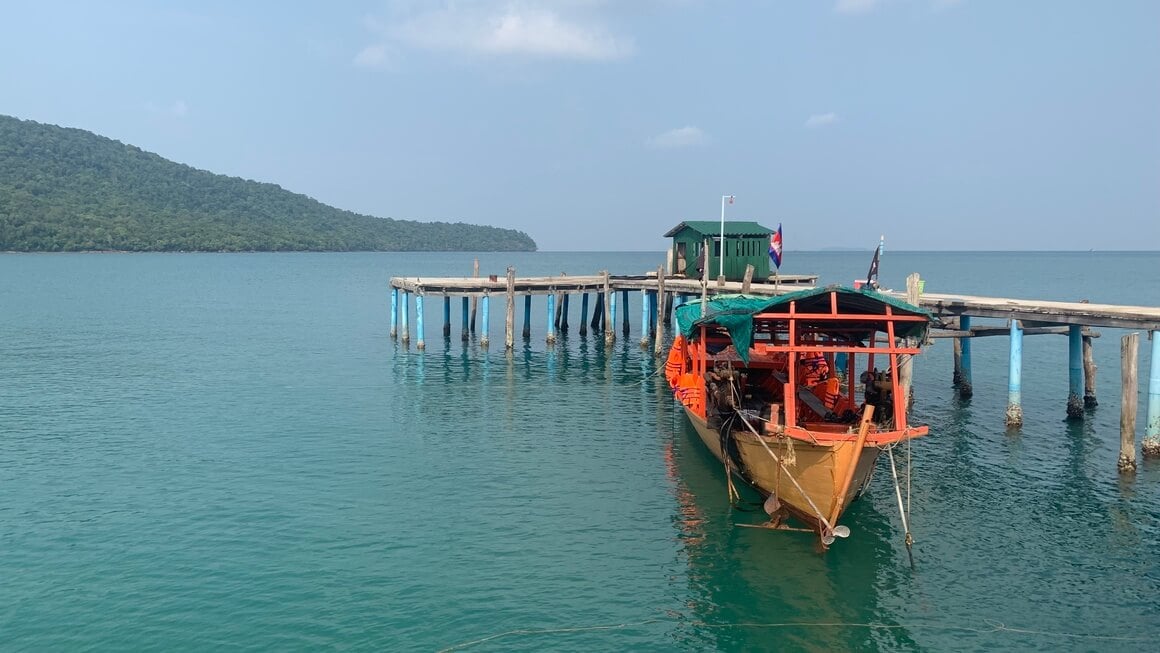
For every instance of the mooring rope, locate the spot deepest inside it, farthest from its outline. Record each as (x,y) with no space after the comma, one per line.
(992,627)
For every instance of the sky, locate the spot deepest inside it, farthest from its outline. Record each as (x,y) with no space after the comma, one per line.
(599,125)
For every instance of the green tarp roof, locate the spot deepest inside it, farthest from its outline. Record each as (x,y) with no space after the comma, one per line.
(713,228)
(735,312)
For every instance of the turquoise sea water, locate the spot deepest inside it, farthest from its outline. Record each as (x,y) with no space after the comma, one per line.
(226,452)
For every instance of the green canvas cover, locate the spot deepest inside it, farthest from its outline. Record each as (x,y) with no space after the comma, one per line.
(735,313)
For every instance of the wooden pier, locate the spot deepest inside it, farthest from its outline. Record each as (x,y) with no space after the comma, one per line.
(660,292)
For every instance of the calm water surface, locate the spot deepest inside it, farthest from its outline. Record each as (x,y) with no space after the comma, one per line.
(228,452)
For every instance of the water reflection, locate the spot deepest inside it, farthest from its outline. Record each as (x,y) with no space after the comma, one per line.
(748,577)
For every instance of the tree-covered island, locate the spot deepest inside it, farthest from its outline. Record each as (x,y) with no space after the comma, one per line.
(68,190)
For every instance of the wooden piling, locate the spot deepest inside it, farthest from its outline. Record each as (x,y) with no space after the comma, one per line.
(405,329)
(484,340)
(609,312)
(527,317)
(747,280)
(394,313)
(705,281)
(1089,375)
(466,328)
(957,374)
(644,319)
(421,344)
(446,316)
(553,318)
(610,326)
(1015,377)
(597,313)
(564,315)
(1129,350)
(474,300)
(583,315)
(906,361)
(509,323)
(966,388)
(1074,372)
(1150,447)
(658,346)
(625,319)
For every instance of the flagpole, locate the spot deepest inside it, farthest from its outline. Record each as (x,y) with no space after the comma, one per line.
(721,246)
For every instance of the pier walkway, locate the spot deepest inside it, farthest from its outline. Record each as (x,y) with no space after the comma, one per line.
(660,292)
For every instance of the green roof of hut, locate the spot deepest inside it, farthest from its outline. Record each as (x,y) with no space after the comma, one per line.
(713,228)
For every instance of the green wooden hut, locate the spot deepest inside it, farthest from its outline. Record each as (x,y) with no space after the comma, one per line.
(746,243)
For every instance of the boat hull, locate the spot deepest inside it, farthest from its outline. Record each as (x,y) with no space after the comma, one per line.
(819,470)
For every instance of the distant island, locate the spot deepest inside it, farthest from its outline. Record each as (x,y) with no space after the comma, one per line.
(69,190)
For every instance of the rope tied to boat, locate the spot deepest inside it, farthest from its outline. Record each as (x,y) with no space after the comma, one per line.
(903,510)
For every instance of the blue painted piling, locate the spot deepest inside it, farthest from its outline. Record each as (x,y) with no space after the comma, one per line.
(1075,372)
(527,316)
(1014,378)
(966,389)
(653,304)
(404,329)
(446,317)
(419,321)
(483,339)
(644,302)
(466,328)
(551,317)
(610,328)
(584,314)
(625,328)
(394,313)
(1151,444)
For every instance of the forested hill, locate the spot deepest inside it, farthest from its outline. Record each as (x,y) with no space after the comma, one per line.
(71,190)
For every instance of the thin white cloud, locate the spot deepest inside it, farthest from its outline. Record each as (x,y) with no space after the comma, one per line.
(856,6)
(687,136)
(821,120)
(536,28)
(372,56)
(178,109)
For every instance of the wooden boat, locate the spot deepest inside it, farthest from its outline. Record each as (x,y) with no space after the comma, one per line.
(798,394)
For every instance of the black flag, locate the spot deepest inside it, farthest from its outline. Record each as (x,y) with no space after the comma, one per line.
(872,275)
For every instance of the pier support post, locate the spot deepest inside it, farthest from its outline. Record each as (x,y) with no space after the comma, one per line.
(1129,351)
(474,300)
(1089,375)
(446,316)
(610,325)
(626,321)
(598,313)
(419,321)
(527,316)
(906,361)
(1151,444)
(466,328)
(509,322)
(653,302)
(484,341)
(394,313)
(747,279)
(404,309)
(1074,371)
(644,319)
(564,314)
(583,315)
(658,347)
(1015,377)
(966,389)
(551,317)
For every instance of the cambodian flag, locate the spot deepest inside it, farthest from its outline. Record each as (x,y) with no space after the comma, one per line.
(775,247)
